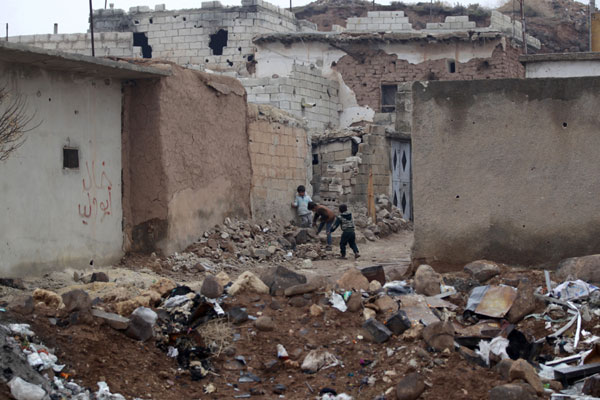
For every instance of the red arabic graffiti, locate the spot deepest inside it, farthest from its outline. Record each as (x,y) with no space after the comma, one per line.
(96,190)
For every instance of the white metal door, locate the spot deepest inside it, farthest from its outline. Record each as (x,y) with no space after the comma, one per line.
(401,191)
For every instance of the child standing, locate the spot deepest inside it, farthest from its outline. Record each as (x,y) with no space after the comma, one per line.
(301,205)
(348,235)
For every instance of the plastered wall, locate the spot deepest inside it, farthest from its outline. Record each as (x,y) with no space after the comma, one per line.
(185,145)
(506,170)
(53,217)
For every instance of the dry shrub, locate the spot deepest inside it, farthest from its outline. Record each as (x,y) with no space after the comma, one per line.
(217,334)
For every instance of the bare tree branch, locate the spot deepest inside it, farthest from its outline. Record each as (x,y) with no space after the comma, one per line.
(14,121)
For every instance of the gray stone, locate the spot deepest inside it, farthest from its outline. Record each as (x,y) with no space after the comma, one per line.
(301,236)
(113,320)
(524,304)
(410,387)
(22,305)
(237,315)
(369,235)
(521,369)
(280,278)
(503,368)
(302,288)
(76,300)
(353,279)
(264,324)
(261,253)
(591,387)
(482,270)
(439,336)
(279,388)
(513,391)
(211,288)
(141,324)
(585,268)
(378,331)
(99,277)
(398,323)
(427,281)
(298,301)
(354,304)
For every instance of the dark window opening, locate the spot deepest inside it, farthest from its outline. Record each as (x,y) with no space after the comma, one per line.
(388,98)
(354,148)
(251,57)
(136,22)
(184,18)
(451,66)
(315,159)
(218,41)
(70,158)
(140,39)
(151,21)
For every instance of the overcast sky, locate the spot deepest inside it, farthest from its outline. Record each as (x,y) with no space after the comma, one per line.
(26,17)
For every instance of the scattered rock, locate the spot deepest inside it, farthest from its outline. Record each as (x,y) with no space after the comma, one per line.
(249,282)
(317,359)
(369,314)
(525,303)
(264,324)
(585,268)
(521,369)
(211,287)
(482,270)
(386,304)
(398,323)
(163,286)
(471,357)
(591,387)
(141,324)
(354,304)
(353,279)
(275,305)
(298,301)
(369,235)
(22,305)
(99,277)
(280,278)
(113,320)
(439,336)
(410,387)
(513,391)
(316,310)
(503,368)
(374,286)
(16,283)
(414,333)
(223,278)
(427,281)
(237,315)
(279,389)
(76,300)
(47,297)
(301,236)
(378,331)
(302,288)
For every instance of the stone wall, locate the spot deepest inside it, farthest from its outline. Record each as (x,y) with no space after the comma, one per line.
(379,21)
(184,170)
(279,152)
(506,170)
(365,75)
(457,22)
(115,44)
(306,94)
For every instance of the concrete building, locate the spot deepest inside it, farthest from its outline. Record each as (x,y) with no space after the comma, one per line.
(567,65)
(61,190)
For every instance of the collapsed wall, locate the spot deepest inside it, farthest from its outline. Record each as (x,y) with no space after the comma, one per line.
(279,152)
(186,163)
(506,170)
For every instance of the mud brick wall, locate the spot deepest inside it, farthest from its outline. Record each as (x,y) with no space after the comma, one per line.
(365,74)
(280,157)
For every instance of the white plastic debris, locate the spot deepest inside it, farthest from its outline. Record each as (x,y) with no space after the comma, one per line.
(20,329)
(216,306)
(172,352)
(496,346)
(23,390)
(104,393)
(573,290)
(338,302)
(282,352)
(341,396)
(39,357)
(317,360)
(176,301)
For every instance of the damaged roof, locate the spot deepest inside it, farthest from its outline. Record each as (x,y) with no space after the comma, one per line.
(377,37)
(76,63)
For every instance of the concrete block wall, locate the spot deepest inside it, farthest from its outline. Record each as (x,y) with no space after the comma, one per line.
(116,44)
(379,21)
(307,86)
(459,22)
(280,156)
(335,174)
(504,23)
(374,152)
(183,36)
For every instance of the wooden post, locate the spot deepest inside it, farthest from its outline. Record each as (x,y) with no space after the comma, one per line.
(92,28)
(371,198)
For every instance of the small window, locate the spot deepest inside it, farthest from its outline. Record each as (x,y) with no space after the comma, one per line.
(451,66)
(388,98)
(315,159)
(70,158)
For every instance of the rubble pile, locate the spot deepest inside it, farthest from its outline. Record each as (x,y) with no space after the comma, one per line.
(389,219)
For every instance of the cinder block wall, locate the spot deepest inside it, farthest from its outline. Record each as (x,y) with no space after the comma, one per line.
(506,170)
(280,157)
(116,44)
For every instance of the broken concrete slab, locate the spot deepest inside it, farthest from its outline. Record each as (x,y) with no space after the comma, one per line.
(113,320)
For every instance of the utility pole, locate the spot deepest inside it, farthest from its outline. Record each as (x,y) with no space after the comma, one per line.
(92,28)
(592,9)
(522,25)
(7,31)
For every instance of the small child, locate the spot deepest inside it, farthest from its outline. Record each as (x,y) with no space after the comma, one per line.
(348,236)
(301,205)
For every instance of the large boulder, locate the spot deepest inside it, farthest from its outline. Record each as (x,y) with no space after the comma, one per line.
(280,278)
(521,369)
(353,279)
(427,281)
(482,270)
(585,268)
(141,324)
(211,287)
(76,300)
(439,335)
(248,282)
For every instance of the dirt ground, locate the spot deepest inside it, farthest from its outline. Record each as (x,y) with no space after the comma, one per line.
(93,351)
